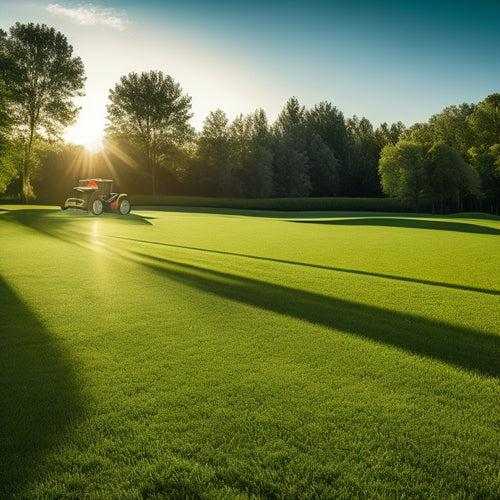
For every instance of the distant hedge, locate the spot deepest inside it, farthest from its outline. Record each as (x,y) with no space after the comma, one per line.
(283,204)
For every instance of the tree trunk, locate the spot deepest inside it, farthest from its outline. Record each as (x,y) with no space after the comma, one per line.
(153,177)
(27,192)
(152,168)
(26,171)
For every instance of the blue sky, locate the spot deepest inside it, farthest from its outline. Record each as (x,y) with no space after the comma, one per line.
(387,61)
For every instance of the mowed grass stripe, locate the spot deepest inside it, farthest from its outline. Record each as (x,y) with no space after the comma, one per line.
(201,374)
(326,268)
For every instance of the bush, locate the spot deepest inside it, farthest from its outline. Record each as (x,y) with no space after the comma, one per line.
(283,204)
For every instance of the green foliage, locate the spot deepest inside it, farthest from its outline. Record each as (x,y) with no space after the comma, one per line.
(283,204)
(452,126)
(175,354)
(323,168)
(291,163)
(215,152)
(403,172)
(485,124)
(151,112)
(8,171)
(450,177)
(365,179)
(317,152)
(291,170)
(10,162)
(411,171)
(42,78)
(4,117)
(326,121)
(485,121)
(256,175)
(385,135)
(486,161)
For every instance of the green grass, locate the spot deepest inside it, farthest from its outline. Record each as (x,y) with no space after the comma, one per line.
(232,354)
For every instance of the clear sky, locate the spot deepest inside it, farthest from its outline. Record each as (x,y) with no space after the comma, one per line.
(385,60)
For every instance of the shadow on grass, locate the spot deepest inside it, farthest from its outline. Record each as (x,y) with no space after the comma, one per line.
(461,347)
(463,227)
(319,266)
(39,395)
(47,217)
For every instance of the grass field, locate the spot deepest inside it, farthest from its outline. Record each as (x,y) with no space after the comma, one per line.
(231,354)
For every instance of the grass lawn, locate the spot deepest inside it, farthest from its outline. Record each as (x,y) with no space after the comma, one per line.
(231,354)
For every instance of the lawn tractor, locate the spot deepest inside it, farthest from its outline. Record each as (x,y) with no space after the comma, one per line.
(95,196)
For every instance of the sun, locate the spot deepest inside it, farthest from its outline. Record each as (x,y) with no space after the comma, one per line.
(87,132)
(90,139)
(94,145)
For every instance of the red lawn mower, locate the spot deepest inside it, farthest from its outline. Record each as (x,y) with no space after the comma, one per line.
(95,196)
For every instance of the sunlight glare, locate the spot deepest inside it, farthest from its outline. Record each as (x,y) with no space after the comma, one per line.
(94,145)
(88,131)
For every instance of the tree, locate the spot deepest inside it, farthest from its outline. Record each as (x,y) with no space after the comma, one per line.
(452,126)
(328,122)
(323,168)
(403,172)
(214,154)
(485,153)
(385,135)
(291,165)
(450,176)
(291,170)
(291,122)
(486,161)
(421,133)
(42,79)
(365,156)
(485,121)
(7,165)
(152,113)
(4,117)
(253,139)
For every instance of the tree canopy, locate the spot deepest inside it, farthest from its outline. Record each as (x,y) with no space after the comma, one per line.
(42,78)
(450,162)
(151,112)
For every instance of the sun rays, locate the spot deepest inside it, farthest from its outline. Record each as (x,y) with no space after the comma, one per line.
(98,161)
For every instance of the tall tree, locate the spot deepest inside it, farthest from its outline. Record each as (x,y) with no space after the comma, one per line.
(328,122)
(252,137)
(450,177)
(364,177)
(485,154)
(7,166)
(452,126)
(486,161)
(385,135)
(42,78)
(292,122)
(323,168)
(215,151)
(291,165)
(421,133)
(403,172)
(151,111)
(485,121)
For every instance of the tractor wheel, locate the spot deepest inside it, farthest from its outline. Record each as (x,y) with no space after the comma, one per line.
(124,206)
(96,206)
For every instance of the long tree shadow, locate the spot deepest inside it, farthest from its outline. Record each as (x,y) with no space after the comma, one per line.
(463,227)
(39,395)
(461,347)
(51,220)
(454,286)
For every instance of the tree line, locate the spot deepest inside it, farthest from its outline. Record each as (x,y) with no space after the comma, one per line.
(452,162)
